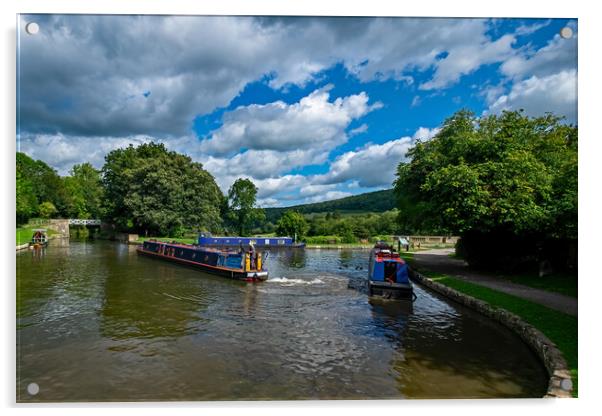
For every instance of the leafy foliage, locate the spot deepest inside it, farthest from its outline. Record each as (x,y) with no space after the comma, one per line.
(47,209)
(510,177)
(36,183)
(292,224)
(86,192)
(159,192)
(241,205)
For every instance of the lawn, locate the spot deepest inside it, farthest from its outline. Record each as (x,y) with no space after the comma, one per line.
(560,283)
(560,328)
(25,233)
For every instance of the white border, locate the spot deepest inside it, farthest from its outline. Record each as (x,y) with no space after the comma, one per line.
(589,190)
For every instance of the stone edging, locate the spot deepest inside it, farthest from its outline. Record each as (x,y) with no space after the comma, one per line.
(546,350)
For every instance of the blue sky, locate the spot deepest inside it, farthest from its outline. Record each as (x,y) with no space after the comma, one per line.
(310,109)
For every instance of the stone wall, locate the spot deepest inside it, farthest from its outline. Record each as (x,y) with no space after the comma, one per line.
(560,383)
(60,226)
(126,238)
(433,239)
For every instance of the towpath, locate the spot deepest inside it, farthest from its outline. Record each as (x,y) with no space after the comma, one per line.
(438,260)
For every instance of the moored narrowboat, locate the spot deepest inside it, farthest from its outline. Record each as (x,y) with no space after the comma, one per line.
(208,240)
(39,238)
(247,265)
(388,274)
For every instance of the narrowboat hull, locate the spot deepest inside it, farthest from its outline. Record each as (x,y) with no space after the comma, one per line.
(390,290)
(388,276)
(229,272)
(259,242)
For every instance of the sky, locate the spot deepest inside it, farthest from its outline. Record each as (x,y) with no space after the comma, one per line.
(308,108)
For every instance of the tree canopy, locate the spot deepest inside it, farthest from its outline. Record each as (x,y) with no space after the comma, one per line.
(241,205)
(506,175)
(155,191)
(292,224)
(37,183)
(84,186)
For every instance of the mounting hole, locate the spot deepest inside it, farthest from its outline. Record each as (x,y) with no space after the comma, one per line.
(32,28)
(33,389)
(566,384)
(566,32)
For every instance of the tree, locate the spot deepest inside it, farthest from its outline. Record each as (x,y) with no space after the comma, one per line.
(155,191)
(36,183)
(47,209)
(500,182)
(26,200)
(293,224)
(241,205)
(84,186)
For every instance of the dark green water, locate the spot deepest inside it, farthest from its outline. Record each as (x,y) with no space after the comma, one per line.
(95,322)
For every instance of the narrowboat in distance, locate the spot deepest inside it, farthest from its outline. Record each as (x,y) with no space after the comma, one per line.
(39,239)
(388,276)
(208,240)
(246,265)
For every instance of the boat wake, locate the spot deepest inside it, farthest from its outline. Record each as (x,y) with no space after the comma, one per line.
(291,282)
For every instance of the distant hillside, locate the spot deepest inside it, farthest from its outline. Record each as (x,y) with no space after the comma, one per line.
(379,201)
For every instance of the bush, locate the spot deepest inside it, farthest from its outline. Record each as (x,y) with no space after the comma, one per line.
(324,239)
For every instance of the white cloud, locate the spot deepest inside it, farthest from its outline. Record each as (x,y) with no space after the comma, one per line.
(328,196)
(312,122)
(558,55)
(554,93)
(464,59)
(263,163)
(62,152)
(373,165)
(424,133)
(541,80)
(359,130)
(97,67)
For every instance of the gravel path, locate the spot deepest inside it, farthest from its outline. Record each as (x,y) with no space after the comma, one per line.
(438,260)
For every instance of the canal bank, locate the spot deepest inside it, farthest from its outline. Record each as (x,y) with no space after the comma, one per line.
(562,381)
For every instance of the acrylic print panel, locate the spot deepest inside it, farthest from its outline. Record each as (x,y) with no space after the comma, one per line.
(234,208)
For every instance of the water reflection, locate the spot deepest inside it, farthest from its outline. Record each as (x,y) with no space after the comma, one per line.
(293,259)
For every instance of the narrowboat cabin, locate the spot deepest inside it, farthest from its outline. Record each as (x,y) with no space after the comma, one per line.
(247,265)
(39,238)
(388,274)
(207,240)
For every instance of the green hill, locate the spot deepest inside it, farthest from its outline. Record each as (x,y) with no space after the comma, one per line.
(379,201)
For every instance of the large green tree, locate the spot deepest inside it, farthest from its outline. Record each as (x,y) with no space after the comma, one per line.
(84,186)
(507,184)
(241,205)
(156,191)
(37,183)
(293,224)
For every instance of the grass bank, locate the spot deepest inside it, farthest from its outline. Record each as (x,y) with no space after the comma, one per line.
(25,233)
(559,283)
(560,328)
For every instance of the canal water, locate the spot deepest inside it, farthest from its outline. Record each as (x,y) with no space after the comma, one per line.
(96,322)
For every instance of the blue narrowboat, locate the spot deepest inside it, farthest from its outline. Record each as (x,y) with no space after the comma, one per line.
(388,274)
(240,265)
(207,240)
